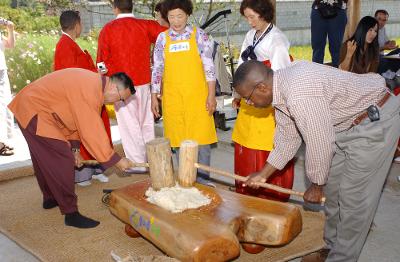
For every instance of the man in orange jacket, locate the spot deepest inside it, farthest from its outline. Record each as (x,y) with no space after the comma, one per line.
(58,112)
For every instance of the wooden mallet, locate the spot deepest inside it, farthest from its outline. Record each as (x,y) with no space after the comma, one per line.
(188,170)
(160,163)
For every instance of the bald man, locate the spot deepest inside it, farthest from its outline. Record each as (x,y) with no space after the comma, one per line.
(58,112)
(348,150)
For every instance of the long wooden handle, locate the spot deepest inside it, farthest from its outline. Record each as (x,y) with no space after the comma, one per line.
(94,162)
(243,179)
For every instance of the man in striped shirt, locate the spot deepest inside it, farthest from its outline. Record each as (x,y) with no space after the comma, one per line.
(348,155)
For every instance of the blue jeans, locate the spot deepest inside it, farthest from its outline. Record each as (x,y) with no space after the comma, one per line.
(333,29)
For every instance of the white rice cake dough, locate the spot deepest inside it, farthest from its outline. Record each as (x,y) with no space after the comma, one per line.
(177,199)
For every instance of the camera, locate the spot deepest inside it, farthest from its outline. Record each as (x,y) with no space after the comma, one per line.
(4,21)
(102,67)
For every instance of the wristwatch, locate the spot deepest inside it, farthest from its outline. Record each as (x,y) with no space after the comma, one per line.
(75,150)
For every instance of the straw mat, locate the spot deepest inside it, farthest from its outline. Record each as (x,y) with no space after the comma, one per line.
(43,233)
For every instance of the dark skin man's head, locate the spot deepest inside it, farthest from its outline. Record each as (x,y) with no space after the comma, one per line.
(253,82)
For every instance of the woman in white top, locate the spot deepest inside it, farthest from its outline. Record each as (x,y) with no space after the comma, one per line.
(254,128)
(6,118)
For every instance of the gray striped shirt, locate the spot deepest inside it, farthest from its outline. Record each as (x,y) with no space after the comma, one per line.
(313,102)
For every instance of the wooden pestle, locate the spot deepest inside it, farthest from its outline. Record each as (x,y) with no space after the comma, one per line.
(160,163)
(188,154)
(190,162)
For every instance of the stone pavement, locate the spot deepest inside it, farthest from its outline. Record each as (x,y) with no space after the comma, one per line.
(382,244)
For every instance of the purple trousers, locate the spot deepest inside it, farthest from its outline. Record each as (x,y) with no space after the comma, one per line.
(53,163)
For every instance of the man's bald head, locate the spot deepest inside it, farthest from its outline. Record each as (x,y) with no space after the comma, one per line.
(251,72)
(253,81)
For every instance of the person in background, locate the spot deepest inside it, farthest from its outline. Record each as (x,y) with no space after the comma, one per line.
(184,67)
(6,118)
(360,53)
(159,18)
(68,54)
(327,24)
(385,43)
(58,112)
(349,146)
(158,15)
(124,46)
(387,64)
(253,132)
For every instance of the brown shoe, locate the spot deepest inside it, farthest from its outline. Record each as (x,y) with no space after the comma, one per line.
(319,256)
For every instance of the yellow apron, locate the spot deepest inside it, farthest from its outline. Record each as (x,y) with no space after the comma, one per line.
(185,92)
(254,127)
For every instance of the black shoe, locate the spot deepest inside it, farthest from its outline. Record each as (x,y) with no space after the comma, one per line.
(319,256)
(49,204)
(77,220)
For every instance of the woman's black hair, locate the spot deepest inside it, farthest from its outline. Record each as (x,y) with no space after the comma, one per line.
(168,5)
(264,8)
(372,51)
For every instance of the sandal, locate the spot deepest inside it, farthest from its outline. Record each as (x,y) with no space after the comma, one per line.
(5,151)
(8,147)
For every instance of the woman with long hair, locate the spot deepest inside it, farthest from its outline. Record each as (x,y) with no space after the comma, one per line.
(360,53)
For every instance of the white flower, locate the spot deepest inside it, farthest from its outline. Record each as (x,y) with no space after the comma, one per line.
(28,81)
(14,86)
(39,62)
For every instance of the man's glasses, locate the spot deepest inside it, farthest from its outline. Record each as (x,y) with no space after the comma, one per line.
(131,89)
(120,97)
(247,100)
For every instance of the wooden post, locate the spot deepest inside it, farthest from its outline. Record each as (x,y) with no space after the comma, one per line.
(353,17)
(188,153)
(160,163)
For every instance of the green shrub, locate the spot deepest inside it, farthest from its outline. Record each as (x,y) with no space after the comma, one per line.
(33,57)
(27,20)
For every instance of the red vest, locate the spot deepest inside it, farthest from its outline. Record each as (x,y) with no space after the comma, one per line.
(68,54)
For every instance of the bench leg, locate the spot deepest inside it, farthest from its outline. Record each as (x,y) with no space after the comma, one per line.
(252,248)
(130,231)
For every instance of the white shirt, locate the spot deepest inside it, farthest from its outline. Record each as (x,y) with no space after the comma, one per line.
(3,65)
(382,37)
(125,15)
(274,47)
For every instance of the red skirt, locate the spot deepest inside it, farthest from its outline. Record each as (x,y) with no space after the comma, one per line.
(248,161)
